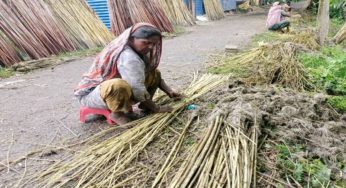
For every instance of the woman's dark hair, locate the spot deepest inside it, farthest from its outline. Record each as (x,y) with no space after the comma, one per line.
(146,32)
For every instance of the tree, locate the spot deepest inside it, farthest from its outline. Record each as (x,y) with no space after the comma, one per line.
(323,21)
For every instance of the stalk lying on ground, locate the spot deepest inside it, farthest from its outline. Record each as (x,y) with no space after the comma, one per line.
(103,164)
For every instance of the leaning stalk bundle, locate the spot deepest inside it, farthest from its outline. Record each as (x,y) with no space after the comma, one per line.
(21,35)
(8,54)
(214,9)
(40,22)
(104,164)
(177,12)
(119,16)
(124,13)
(48,27)
(81,25)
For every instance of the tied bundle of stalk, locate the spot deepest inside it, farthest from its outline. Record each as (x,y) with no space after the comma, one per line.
(341,35)
(306,38)
(126,13)
(267,64)
(214,9)
(8,54)
(119,16)
(245,5)
(225,156)
(83,28)
(177,12)
(104,164)
(15,25)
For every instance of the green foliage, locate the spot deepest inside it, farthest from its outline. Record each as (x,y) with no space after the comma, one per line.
(337,9)
(327,69)
(304,171)
(81,53)
(334,26)
(266,37)
(189,140)
(338,102)
(5,73)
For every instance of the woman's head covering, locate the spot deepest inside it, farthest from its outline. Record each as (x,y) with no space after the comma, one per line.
(105,64)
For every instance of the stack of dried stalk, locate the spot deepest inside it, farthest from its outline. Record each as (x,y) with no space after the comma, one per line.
(225,157)
(8,54)
(81,25)
(177,12)
(105,164)
(17,24)
(305,38)
(214,9)
(43,28)
(267,64)
(341,35)
(126,13)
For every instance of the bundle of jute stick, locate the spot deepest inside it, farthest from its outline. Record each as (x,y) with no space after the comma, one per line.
(104,164)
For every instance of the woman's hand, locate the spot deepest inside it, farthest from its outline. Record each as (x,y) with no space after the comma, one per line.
(175,95)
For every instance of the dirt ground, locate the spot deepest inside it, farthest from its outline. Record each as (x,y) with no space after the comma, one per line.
(38,108)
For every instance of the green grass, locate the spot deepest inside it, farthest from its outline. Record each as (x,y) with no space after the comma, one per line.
(327,69)
(6,73)
(338,102)
(295,166)
(81,53)
(334,26)
(178,30)
(267,37)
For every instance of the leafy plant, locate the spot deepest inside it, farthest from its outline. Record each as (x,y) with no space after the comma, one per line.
(303,170)
(337,9)
(327,69)
(5,73)
(338,102)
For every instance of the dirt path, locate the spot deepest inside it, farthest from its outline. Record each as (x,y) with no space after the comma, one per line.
(38,109)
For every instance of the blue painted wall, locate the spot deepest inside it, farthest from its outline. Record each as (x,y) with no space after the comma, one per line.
(229,4)
(101,9)
(199,7)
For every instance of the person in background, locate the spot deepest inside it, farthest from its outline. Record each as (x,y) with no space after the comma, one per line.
(125,73)
(276,17)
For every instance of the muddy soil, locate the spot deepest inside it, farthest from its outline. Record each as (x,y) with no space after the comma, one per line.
(38,108)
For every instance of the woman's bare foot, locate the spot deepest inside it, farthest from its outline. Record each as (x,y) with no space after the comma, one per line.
(119,118)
